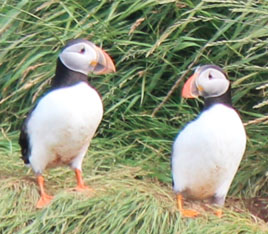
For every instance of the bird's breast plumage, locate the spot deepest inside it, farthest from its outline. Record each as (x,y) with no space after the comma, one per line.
(64,121)
(207,152)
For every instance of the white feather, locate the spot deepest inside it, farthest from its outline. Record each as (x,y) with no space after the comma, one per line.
(213,83)
(73,59)
(207,153)
(62,126)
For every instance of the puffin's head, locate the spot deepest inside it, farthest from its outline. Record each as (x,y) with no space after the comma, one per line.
(85,57)
(207,81)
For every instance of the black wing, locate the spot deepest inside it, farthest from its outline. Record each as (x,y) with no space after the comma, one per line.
(24,139)
(24,142)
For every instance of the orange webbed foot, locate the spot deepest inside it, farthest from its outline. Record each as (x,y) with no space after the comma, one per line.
(185,213)
(80,188)
(189,213)
(80,183)
(218,213)
(44,201)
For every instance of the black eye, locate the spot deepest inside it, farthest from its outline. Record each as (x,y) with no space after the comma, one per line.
(82,51)
(210,76)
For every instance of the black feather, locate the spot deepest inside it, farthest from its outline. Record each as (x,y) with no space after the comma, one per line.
(225,99)
(24,142)
(65,77)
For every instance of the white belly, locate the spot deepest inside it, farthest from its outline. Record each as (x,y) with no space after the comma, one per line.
(207,153)
(63,123)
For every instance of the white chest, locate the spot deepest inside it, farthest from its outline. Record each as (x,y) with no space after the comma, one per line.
(208,151)
(66,119)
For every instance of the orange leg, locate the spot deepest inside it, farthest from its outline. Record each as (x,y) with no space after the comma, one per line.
(45,199)
(80,183)
(185,213)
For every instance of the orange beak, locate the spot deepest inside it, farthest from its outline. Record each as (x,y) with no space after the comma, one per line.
(104,63)
(188,88)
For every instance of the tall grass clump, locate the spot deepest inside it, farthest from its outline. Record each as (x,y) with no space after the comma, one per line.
(156,45)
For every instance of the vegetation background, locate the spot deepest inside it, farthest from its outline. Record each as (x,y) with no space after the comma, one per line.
(155,45)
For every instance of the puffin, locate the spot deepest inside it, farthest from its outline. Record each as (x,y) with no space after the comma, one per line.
(207,152)
(59,129)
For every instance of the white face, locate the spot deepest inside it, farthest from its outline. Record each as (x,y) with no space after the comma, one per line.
(80,57)
(211,82)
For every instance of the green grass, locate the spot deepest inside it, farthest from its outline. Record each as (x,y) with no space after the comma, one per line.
(155,45)
(125,200)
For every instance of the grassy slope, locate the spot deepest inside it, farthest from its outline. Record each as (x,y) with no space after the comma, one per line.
(153,44)
(125,201)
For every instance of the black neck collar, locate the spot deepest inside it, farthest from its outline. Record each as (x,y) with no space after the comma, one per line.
(65,77)
(225,99)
